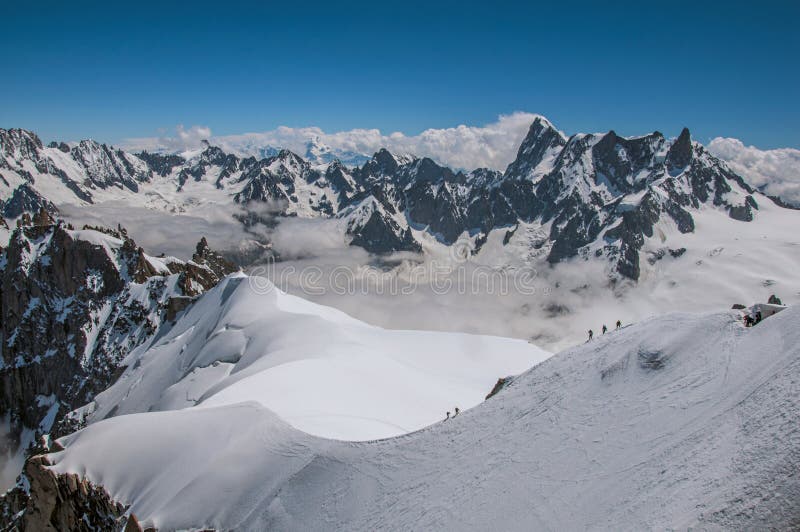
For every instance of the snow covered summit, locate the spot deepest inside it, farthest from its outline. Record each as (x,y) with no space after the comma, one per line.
(317,368)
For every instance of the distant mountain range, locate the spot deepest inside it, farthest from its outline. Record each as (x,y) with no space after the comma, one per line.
(589,195)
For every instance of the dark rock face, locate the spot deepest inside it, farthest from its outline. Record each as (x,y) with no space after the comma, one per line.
(381,234)
(60,502)
(382,165)
(652,360)
(46,305)
(204,271)
(276,179)
(161,164)
(542,137)
(62,146)
(743,213)
(26,199)
(341,180)
(72,305)
(438,207)
(501,383)
(680,153)
(176,305)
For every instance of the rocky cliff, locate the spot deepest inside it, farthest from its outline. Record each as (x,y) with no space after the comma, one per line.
(73,303)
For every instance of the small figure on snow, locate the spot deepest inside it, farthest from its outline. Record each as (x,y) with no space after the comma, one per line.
(604,328)
(591,334)
(448,416)
(619,324)
(457,412)
(758,317)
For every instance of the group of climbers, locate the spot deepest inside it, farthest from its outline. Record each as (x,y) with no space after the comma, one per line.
(457,411)
(749,320)
(760,311)
(605,329)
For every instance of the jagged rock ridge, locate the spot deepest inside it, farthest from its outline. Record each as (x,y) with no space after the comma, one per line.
(591,195)
(73,303)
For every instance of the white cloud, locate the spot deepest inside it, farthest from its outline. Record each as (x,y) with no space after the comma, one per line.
(161,232)
(493,145)
(776,172)
(183,140)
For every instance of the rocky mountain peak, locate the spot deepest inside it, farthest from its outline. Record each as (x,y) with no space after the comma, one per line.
(680,153)
(20,143)
(605,148)
(108,167)
(384,161)
(202,248)
(427,170)
(619,160)
(43,218)
(204,255)
(542,140)
(335,166)
(287,154)
(25,199)
(60,146)
(205,270)
(340,178)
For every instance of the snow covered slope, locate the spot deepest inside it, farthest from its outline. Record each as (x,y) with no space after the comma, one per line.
(319,369)
(680,421)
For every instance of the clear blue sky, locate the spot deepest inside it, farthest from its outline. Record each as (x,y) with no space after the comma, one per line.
(112,70)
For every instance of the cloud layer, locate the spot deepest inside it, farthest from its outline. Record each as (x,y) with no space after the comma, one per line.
(494,145)
(776,172)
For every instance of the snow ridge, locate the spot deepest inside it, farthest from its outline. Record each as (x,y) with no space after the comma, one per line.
(680,421)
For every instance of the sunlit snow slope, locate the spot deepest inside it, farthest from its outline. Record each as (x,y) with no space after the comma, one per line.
(317,368)
(680,421)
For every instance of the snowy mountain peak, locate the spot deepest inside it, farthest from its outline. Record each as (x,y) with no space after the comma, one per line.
(385,159)
(538,151)
(107,167)
(19,144)
(264,335)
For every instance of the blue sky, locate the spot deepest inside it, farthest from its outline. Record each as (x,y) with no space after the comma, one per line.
(112,71)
